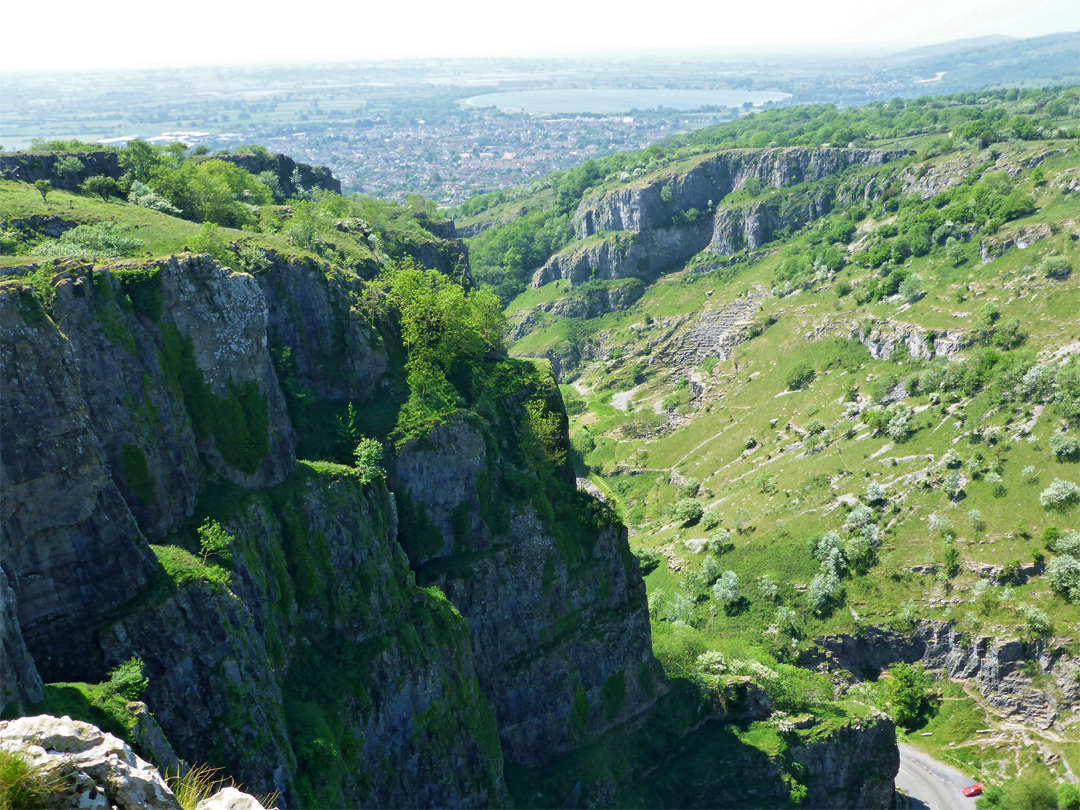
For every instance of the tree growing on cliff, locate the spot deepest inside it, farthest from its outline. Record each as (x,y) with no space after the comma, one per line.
(43,187)
(369,460)
(909,695)
(214,542)
(68,166)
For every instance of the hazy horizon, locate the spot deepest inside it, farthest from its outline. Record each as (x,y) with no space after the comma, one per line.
(207,34)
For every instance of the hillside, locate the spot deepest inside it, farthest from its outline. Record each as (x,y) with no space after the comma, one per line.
(832,391)
(289,489)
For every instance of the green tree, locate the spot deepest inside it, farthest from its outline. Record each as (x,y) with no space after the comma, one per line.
(43,187)
(907,691)
(68,166)
(140,160)
(128,680)
(369,460)
(102,186)
(800,375)
(214,541)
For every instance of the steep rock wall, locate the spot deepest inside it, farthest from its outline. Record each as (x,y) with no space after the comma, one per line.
(640,229)
(71,546)
(995,666)
(336,352)
(553,624)
(650,205)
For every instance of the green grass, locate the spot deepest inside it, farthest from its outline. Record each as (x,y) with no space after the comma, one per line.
(747,397)
(182,567)
(24,786)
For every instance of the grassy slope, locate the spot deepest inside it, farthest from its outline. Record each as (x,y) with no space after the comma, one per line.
(709,443)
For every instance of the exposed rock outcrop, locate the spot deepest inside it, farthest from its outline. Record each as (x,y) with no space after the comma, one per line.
(649,205)
(570,611)
(19,679)
(642,228)
(28,167)
(995,666)
(94,769)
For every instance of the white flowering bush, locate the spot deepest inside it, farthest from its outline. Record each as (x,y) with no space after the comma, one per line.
(1060,494)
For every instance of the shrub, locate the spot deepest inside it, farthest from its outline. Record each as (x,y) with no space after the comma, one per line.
(768,587)
(1038,623)
(102,240)
(687,511)
(368,456)
(950,558)
(766,482)
(874,493)
(718,542)
(145,197)
(1065,448)
(824,591)
(127,680)
(800,375)
(907,691)
(690,488)
(1059,495)
(1058,268)
(214,542)
(726,590)
(1062,542)
(1063,575)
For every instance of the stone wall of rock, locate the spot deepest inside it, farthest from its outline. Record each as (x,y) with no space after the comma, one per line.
(548,621)
(650,204)
(642,228)
(996,666)
(29,167)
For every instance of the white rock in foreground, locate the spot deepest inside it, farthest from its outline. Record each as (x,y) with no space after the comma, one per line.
(99,770)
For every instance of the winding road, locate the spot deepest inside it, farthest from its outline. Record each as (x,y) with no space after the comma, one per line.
(929,784)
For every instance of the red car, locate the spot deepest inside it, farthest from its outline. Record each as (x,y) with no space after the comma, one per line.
(973,790)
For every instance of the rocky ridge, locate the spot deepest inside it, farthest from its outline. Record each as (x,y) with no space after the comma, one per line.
(319,648)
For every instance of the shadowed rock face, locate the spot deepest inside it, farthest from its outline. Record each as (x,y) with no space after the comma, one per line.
(71,546)
(543,627)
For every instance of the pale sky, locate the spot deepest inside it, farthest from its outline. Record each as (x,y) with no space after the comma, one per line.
(75,34)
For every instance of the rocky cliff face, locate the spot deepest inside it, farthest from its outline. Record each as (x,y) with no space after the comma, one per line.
(570,624)
(641,229)
(28,168)
(143,398)
(999,668)
(292,177)
(321,671)
(853,766)
(650,205)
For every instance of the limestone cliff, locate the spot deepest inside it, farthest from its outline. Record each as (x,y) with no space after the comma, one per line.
(140,400)
(641,228)
(292,177)
(144,398)
(570,623)
(1001,669)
